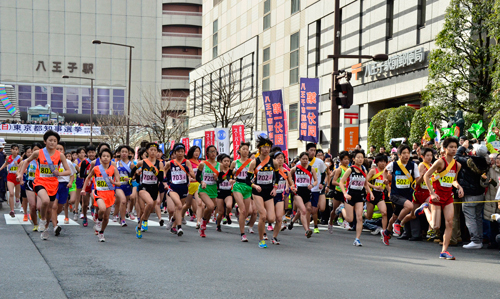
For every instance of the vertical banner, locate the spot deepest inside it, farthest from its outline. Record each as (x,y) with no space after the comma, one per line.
(286,137)
(309,109)
(198,143)
(238,137)
(222,140)
(351,135)
(172,143)
(185,141)
(209,138)
(162,147)
(136,152)
(275,120)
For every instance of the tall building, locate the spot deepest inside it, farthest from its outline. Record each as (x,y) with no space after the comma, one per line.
(291,39)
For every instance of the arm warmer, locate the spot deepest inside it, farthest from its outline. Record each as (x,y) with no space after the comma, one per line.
(198,176)
(82,169)
(249,178)
(322,180)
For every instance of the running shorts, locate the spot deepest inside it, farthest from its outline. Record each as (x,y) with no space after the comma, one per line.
(107,196)
(444,200)
(126,188)
(62,193)
(29,185)
(338,196)
(315,198)
(304,193)
(11,177)
(244,189)
(151,189)
(210,190)
(278,198)
(378,196)
(193,187)
(398,200)
(181,190)
(222,194)
(38,188)
(265,193)
(355,199)
(421,196)
(73,187)
(79,183)
(23,190)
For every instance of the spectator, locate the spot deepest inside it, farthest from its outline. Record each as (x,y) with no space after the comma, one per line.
(372,152)
(382,150)
(491,208)
(473,184)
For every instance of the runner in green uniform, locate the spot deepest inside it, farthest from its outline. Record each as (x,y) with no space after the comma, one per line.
(207,174)
(242,193)
(338,196)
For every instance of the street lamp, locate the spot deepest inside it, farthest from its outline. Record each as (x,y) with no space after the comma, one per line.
(98,42)
(91,99)
(335,117)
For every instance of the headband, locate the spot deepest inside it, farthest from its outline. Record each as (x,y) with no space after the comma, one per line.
(266,144)
(278,153)
(179,146)
(152,145)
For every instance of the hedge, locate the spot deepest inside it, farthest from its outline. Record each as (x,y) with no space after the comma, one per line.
(376,130)
(398,123)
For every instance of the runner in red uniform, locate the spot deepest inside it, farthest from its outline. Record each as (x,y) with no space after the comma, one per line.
(441,191)
(46,183)
(14,187)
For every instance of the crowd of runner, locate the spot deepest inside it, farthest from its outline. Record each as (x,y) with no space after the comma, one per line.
(351,191)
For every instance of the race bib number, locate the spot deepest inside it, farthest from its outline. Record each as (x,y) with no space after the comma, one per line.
(264,177)
(124,177)
(45,171)
(13,169)
(302,180)
(31,175)
(243,174)
(356,183)
(447,180)
(209,179)
(178,177)
(281,187)
(101,185)
(379,183)
(402,182)
(148,177)
(225,185)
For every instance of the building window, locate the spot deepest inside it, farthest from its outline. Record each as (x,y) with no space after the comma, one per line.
(295,6)
(267,14)
(390,18)
(294,58)
(265,69)
(40,95)
(56,100)
(103,101)
(24,97)
(72,100)
(86,101)
(421,12)
(215,39)
(293,116)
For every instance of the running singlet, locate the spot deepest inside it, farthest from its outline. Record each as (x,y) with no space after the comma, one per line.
(281,181)
(207,175)
(444,185)
(124,170)
(12,167)
(148,175)
(302,179)
(356,182)
(194,164)
(340,177)
(176,175)
(224,184)
(100,183)
(31,170)
(243,173)
(378,181)
(44,176)
(265,175)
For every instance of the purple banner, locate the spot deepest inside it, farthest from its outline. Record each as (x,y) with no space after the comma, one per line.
(309,109)
(275,120)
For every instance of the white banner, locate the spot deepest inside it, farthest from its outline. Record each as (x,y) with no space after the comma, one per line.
(222,140)
(41,129)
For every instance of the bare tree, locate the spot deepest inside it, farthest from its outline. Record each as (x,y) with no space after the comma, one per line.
(160,117)
(227,95)
(113,129)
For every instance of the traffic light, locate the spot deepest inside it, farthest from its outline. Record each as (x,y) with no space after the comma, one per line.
(345,94)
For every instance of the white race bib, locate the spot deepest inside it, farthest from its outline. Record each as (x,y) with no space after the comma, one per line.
(264,177)
(356,182)
(149,177)
(302,180)
(402,182)
(178,177)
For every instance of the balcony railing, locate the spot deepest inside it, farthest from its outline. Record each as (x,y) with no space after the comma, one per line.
(182,13)
(180,34)
(171,77)
(182,56)
(166,98)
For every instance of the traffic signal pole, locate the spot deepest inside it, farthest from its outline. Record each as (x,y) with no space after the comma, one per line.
(335,117)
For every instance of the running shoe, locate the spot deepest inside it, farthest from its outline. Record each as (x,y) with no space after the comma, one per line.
(283,226)
(244,238)
(101,237)
(265,237)
(138,232)
(82,216)
(270,228)
(262,244)
(495,217)
(183,221)
(35,228)
(44,235)
(357,243)
(224,220)
(276,241)
(192,218)
(431,234)
(377,231)
(41,225)
(218,229)
(21,210)
(180,232)
(75,217)
(346,225)
(202,233)
(197,225)
(309,233)
(330,228)
(116,218)
(169,225)
(17,204)
(338,211)
(229,221)
(446,255)
(124,223)
(57,230)
(290,226)
(96,232)
(385,237)
(420,210)
(25,218)
(39,215)
(316,230)
(132,217)
(98,225)
(203,225)
(250,230)
(66,221)
(397,228)
(173,231)
(162,222)
(144,225)
(85,222)
(12,214)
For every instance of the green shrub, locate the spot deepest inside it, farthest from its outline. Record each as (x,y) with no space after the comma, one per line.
(376,130)
(398,123)
(421,120)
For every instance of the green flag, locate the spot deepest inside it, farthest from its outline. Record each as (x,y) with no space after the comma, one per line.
(477,129)
(448,132)
(490,137)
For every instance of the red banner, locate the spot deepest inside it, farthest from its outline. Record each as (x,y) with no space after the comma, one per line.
(286,136)
(172,143)
(209,138)
(185,141)
(238,137)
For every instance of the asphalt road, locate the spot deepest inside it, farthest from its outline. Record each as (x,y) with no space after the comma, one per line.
(161,265)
